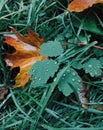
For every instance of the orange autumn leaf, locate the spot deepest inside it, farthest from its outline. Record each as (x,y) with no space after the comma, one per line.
(80,5)
(23,77)
(26,54)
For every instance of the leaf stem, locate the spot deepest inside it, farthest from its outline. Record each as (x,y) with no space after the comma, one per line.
(83,44)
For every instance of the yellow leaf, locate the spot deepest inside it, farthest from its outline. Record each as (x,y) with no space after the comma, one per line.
(26,54)
(81,5)
(23,77)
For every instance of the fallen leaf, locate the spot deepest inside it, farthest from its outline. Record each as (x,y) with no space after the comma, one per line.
(81,5)
(26,54)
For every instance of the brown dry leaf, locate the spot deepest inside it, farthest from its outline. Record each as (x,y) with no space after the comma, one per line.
(26,54)
(80,5)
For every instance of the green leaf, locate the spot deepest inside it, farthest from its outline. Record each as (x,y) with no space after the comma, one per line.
(60,38)
(93,67)
(69,81)
(84,38)
(101,61)
(98,52)
(42,71)
(51,48)
(76,65)
(89,22)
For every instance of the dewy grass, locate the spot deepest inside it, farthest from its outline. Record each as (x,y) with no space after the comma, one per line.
(45,107)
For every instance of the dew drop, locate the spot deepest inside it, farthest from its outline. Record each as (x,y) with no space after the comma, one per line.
(33,71)
(47,63)
(79,81)
(89,66)
(39,79)
(73,79)
(98,66)
(73,74)
(63,75)
(35,77)
(68,71)
(55,63)
(47,70)
(55,79)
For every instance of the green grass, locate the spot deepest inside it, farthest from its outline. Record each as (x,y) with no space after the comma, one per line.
(45,107)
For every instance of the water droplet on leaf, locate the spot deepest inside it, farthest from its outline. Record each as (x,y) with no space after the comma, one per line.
(55,79)
(39,79)
(47,63)
(73,73)
(68,70)
(33,71)
(55,63)
(73,79)
(89,66)
(35,77)
(64,75)
(47,70)
(79,81)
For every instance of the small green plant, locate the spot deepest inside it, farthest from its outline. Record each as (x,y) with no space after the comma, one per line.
(74,53)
